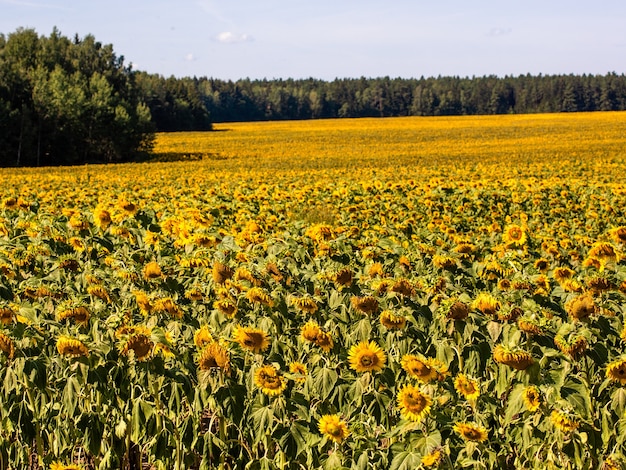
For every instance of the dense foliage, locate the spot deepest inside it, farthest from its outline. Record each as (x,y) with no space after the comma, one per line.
(182,104)
(397,294)
(67,101)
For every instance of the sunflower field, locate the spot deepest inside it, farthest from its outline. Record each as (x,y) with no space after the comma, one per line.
(395,293)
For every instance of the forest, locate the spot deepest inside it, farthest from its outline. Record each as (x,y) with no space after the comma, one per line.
(74,100)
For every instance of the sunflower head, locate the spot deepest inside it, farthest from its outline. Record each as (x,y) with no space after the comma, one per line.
(519,360)
(531,398)
(343,277)
(300,370)
(391,321)
(581,307)
(152,271)
(366,356)
(471,431)
(270,380)
(6,315)
(202,337)
(226,306)
(486,304)
(6,345)
(514,235)
(414,405)
(421,368)
(333,427)
(433,458)
(71,347)
(467,387)
(616,371)
(564,420)
(221,272)
(257,295)
(366,304)
(252,339)
(214,356)
(457,311)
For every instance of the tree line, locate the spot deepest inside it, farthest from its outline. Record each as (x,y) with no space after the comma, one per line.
(178,103)
(69,101)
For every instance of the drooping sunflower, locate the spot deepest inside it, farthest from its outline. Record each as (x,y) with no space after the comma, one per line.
(343,277)
(152,271)
(486,304)
(6,315)
(612,463)
(532,398)
(252,339)
(619,234)
(257,295)
(519,360)
(61,466)
(270,380)
(226,305)
(143,302)
(418,367)
(391,321)
(7,346)
(71,347)
(581,307)
(300,370)
(366,304)
(366,356)
(471,431)
(564,421)
(403,287)
(102,218)
(140,344)
(467,387)
(413,404)
(80,314)
(214,355)
(457,311)
(616,371)
(333,427)
(202,337)
(313,333)
(304,304)
(433,458)
(572,346)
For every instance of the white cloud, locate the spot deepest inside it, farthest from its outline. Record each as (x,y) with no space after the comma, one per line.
(499,32)
(228,37)
(190,57)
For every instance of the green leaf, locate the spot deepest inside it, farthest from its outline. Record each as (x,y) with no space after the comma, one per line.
(406,460)
(325,381)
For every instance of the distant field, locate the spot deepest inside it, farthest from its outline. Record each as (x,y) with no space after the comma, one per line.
(359,293)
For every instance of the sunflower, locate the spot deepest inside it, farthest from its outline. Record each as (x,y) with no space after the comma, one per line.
(444,262)
(403,287)
(300,370)
(603,252)
(100,292)
(519,360)
(562,274)
(305,304)
(312,333)
(252,339)
(531,398)
(514,235)
(413,404)
(367,357)
(140,344)
(256,295)
(471,431)
(457,311)
(486,303)
(574,347)
(541,264)
(6,315)
(202,337)
(420,368)
(61,466)
(581,307)
(6,345)
(391,321)
(226,306)
(333,427)
(102,218)
(469,388)
(619,234)
(214,355)
(564,421)
(616,371)
(611,463)
(152,271)
(143,301)
(343,277)
(80,314)
(71,347)
(366,304)
(433,458)
(270,380)
(529,326)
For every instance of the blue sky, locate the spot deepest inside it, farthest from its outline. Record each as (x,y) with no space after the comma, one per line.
(327,39)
